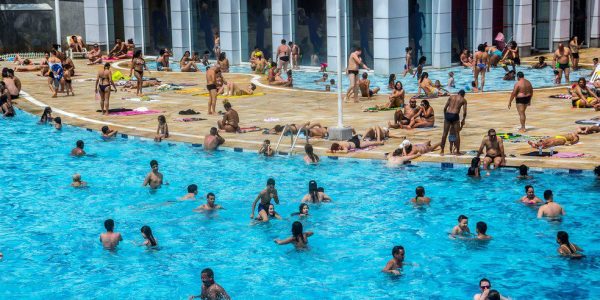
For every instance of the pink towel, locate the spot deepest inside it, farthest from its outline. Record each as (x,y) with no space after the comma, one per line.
(568,155)
(134,113)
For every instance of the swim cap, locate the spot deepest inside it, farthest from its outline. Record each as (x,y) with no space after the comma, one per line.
(404,143)
(258,53)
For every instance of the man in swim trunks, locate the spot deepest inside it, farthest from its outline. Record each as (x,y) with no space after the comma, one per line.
(78,150)
(154,177)
(117,50)
(213,140)
(551,209)
(530,198)
(210,204)
(283,56)
(364,85)
(95,55)
(192,191)
(559,140)
(494,150)
(561,59)
(265,197)
(210,289)
(452,118)
(354,62)
(211,85)
(110,239)
(522,91)
(231,119)
(396,262)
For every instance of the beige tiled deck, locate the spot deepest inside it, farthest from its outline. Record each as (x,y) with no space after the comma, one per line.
(546,116)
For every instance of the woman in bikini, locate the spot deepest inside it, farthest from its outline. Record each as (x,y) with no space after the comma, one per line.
(426,85)
(424,118)
(397,96)
(567,248)
(138,65)
(376,133)
(6,106)
(271,214)
(559,140)
(162,131)
(299,238)
(583,97)
(352,144)
(481,66)
(224,62)
(391,81)
(128,48)
(187,64)
(465,60)
(103,87)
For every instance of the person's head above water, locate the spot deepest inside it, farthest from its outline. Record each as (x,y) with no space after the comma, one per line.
(208,277)
(76,178)
(192,188)
(271,182)
(147,232)
(475,162)
(109,225)
(298,231)
(153,164)
(398,252)
(79,144)
(542,59)
(58,120)
(420,191)
(548,196)
(312,186)
(303,209)
(481,227)
(562,237)
(462,218)
(210,198)
(105,129)
(332,81)
(523,170)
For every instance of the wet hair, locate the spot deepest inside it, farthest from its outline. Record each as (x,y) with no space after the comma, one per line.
(209,272)
(397,249)
(493,295)
(227,105)
(547,194)
(210,194)
(321,190)
(192,188)
(401,85)
(485,280)
(423,76)
(297,232)
(332,81)
(308,148)
(107,65)
(481,47)
(462,217)
(481,227)
(148,233)
(420,191)
(461,93)
(597,171)
(153,163)
(563,238)
(269,207)
(422,60)
(527,187)
(523,170)
(426,102)
(335,147)
(475,162)
(520,75)
(301,207)
(58,120)
(397,152)
(222,56)
(109,225)
(79,144)
(47,111)
(213,130)
(408,149)
(270,181)
(392,78)
(312,191)
(162,119)
(365,75)
(104,129)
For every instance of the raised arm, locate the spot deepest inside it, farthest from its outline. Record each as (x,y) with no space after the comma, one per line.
(285,241)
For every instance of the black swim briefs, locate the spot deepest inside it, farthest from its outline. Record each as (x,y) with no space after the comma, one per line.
(451,117)
(524,100)
(211,87)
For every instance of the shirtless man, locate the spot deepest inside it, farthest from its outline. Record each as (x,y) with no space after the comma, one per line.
(78,150)
(558,140)
(231,119)
(110,239)
(210,289)
(365,86)
(354,62)
(95,55)
(283,56)
(462,228)
(551,209)
(396,262)
(265,197)
(213,140)
(530,198)
(398,157)
(192,191)
(154,177)
(562,56)
(211,86)
(295,54)
(494,150)
(402,119)
(117,50)
(522,91)
(452,118)
(210,204)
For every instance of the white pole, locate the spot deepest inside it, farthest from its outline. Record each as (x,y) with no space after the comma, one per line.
(291,29)
(142,24)
(106,17)
(189,15)
(339,63)
(240,28)
(57,21)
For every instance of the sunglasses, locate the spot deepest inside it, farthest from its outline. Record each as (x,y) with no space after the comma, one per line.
(484,287)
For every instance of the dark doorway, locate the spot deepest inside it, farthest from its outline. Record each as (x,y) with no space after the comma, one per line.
(579,20)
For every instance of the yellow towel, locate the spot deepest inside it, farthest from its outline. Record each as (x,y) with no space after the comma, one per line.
(190,91)
(231,97)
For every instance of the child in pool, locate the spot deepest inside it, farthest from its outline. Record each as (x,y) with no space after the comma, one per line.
(265,149)
(58,123)
(328,86)
(451,80)
(77,182)
(162,132)
(474,88)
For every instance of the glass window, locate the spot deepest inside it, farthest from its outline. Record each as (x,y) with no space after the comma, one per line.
(361,29)
(419,29)
(259,27)
(205,23)
(311,31)
(36,29)
(157,26)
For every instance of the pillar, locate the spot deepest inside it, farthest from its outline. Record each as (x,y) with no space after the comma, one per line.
(523,22)
(441,24)
(389,42)
(180,27)
(482,23)
(594,17)
(560,22)
(332,44)
(133,23)
(233,29)
(282,18)
(95,22)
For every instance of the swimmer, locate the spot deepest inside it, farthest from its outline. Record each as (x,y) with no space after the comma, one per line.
(550,209)
(487,293)
(540,64)
(108,133)
(46,116)
(462,228)
(396,262)
(441,90)
(271,214)
(314,196)
(407,62)
(364,84)
(420,66)
(597,172)
(302,211)
(391,81)
(398,157)
(352,144)
(530,198)
(78,150)
(310,157)
(77,182)
(230,121)
(494,150)
(210,289)
(154,177)
(481,229)
(331,84)
(162,61)
(110,239)
(58,123)
(265,197)
(192,191)
(149,239)
(322,79)
(451,83)
(299,238)
(509,76)
(588,129)
(559,140)
(162,131)
(213,140)
(426,86)
(265,149)
(420,197)
(474,169)
(523,169)
(567,248)
(209,205)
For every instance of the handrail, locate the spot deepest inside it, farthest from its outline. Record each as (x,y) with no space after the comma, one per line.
(281,137)
(295,140)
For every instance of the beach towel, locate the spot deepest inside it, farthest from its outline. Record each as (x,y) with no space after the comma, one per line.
(188,119)
(116,110)
(567,155)
(168,87)
(376,109)
(562,96)
(537,153)
(592,121)
(249,129)
(230,97)
(140,99)
(190,91)
(135,113)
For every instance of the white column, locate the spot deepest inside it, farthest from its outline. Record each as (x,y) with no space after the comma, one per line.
(280,23)
(482,23)
(594,19)
(389,42)
(95,22)
(234,38)
(560,22)
(441,39)
(180,27)
(133,23)
(522,27)
(332,48)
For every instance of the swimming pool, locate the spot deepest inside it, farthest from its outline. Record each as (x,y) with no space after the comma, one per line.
(49,231)
(305,78)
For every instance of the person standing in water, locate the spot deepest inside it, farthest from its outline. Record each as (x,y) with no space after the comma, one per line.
(354,62)
(149,239)
(299,238)
(561,59)
(110,239)
(265,197)
(522,91)
(550,209)
(154,177)
(210,289)
(396,262)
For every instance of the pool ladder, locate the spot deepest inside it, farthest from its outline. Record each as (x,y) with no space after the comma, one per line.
(293,139)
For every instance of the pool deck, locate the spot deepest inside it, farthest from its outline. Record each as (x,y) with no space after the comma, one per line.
(546,116)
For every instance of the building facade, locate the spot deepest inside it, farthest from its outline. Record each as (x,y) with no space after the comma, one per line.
(436,29)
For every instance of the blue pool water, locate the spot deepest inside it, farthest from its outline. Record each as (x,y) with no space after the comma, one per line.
(304,79)
(49,231)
